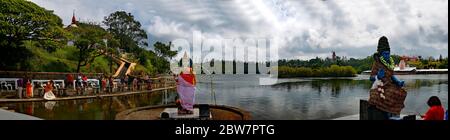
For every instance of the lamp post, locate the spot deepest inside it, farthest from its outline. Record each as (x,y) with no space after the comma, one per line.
(110,54)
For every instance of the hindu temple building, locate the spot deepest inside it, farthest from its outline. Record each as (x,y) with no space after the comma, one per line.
(74,21)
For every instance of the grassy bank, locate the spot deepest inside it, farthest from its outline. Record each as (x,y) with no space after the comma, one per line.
(332,71)
(65,59)
(62,59)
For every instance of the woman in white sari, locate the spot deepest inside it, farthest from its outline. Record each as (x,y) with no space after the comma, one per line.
(48,90)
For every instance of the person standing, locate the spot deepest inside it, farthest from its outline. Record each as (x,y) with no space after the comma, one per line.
(85,81)
(20,86)
(148,82)
(130,82)
(125,83)
(29,89)
(111,84)
(79,85)
(48,91)
(103,83)
(135,82)
(69,81)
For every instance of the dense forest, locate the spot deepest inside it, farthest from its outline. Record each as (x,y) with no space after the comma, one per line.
(363,64)
(318,67)
(35,39)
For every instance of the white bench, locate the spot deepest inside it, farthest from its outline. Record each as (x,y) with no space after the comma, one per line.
(7,83)
(91,82)
(41,83)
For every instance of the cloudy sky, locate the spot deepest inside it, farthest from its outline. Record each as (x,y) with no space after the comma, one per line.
(305,28)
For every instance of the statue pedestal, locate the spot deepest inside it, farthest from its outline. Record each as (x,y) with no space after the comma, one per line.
(172,114)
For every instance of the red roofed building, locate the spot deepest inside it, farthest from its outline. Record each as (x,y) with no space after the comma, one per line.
(74,21)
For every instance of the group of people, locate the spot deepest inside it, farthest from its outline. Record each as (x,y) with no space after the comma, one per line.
(136,83)
(24,83)
(130,82)
(387,94)
(25,88)
(81,82)
(106,83)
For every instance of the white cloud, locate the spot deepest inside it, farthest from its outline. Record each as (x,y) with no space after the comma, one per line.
(309,28)
(159,27)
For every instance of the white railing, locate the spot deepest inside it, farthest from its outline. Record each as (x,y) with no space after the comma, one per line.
(90,82)
(58,83)
(7,83)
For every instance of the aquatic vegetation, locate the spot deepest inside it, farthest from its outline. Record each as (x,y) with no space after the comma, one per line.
(332,71)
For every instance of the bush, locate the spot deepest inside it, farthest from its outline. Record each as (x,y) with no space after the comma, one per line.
(332,71)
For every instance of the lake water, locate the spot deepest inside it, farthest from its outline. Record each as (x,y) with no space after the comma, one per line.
(289,99)
(316,98)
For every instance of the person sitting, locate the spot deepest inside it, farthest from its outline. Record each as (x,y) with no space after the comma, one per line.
(436,111)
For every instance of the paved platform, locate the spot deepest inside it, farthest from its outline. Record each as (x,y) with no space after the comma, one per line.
(8,115)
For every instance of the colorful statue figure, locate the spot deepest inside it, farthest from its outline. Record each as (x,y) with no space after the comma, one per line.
(186,82)
(387,93)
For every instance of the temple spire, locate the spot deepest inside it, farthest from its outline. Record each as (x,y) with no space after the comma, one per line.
(74,20)
(185,56)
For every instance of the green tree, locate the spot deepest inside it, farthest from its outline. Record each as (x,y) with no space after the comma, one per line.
(21,21)
(88,38)
(163,50)
(126,30)
(163,55)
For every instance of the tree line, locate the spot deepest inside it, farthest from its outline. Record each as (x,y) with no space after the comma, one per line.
(33,38)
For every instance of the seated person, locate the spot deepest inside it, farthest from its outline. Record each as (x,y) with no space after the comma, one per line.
(436,111)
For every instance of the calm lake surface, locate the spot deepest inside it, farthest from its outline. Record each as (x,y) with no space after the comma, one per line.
(289,99)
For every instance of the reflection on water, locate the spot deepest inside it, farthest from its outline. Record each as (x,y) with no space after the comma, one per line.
(321,98)
(305,98)
(91,109)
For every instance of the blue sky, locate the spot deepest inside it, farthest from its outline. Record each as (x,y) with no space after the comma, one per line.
(308,28)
